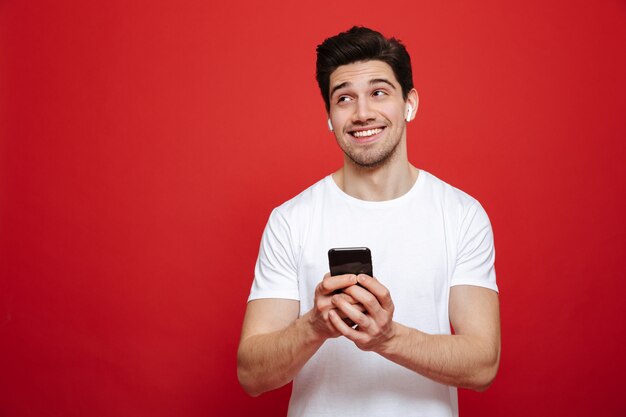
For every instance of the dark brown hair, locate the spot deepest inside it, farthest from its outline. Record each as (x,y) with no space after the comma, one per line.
(361,44)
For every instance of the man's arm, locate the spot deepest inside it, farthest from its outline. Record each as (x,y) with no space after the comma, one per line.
(275,344)
(467,359)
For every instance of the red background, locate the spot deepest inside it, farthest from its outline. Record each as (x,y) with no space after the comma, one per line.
(143,145)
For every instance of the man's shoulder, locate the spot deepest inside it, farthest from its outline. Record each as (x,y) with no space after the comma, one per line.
(447,193)
(305,201)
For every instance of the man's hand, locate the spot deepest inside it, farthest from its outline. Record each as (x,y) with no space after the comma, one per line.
(374,326)
(276,343)
(468,359)
(325,292)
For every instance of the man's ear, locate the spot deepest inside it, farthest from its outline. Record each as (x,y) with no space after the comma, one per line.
(412,101)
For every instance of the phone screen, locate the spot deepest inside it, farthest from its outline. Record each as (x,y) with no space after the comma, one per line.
(350,261)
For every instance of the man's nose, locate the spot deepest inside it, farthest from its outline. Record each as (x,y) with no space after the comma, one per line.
(363,111)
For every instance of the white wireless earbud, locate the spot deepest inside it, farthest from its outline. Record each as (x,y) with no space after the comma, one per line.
(330,125)
(408,113)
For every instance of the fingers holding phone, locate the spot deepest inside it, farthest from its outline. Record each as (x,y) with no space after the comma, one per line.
(366,318)
(335,286)
(318,316)
(372,327)
(382,297)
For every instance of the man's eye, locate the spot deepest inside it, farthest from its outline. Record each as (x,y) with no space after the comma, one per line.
(379,93)
(343,99)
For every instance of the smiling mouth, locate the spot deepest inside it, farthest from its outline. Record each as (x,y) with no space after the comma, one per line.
(366,133)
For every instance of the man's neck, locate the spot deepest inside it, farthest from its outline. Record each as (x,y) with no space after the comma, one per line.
(376,184)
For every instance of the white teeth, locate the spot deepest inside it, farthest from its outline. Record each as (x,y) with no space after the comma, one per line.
(366,133)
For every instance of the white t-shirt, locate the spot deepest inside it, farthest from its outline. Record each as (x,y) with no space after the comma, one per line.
(422,243)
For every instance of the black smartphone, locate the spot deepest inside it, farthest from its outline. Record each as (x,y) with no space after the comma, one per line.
(350,261)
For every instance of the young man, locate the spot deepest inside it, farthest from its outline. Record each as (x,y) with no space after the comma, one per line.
(384,347)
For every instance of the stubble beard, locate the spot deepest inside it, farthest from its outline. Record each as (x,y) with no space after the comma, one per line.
(375,158)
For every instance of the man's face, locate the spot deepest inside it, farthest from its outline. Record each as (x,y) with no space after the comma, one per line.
(368,112)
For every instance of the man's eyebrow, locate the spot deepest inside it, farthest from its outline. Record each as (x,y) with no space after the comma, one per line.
(339,86)
(382,80)
(373,81)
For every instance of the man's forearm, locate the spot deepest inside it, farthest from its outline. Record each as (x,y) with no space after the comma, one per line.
(457,360)
(271,360)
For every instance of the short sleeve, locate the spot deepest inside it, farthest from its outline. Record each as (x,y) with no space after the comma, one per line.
(275,272)
(475,251)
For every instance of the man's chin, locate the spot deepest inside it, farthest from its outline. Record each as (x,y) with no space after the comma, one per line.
(370,161)
(369,164)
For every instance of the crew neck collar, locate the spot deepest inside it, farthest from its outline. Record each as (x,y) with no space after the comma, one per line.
(385,203)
